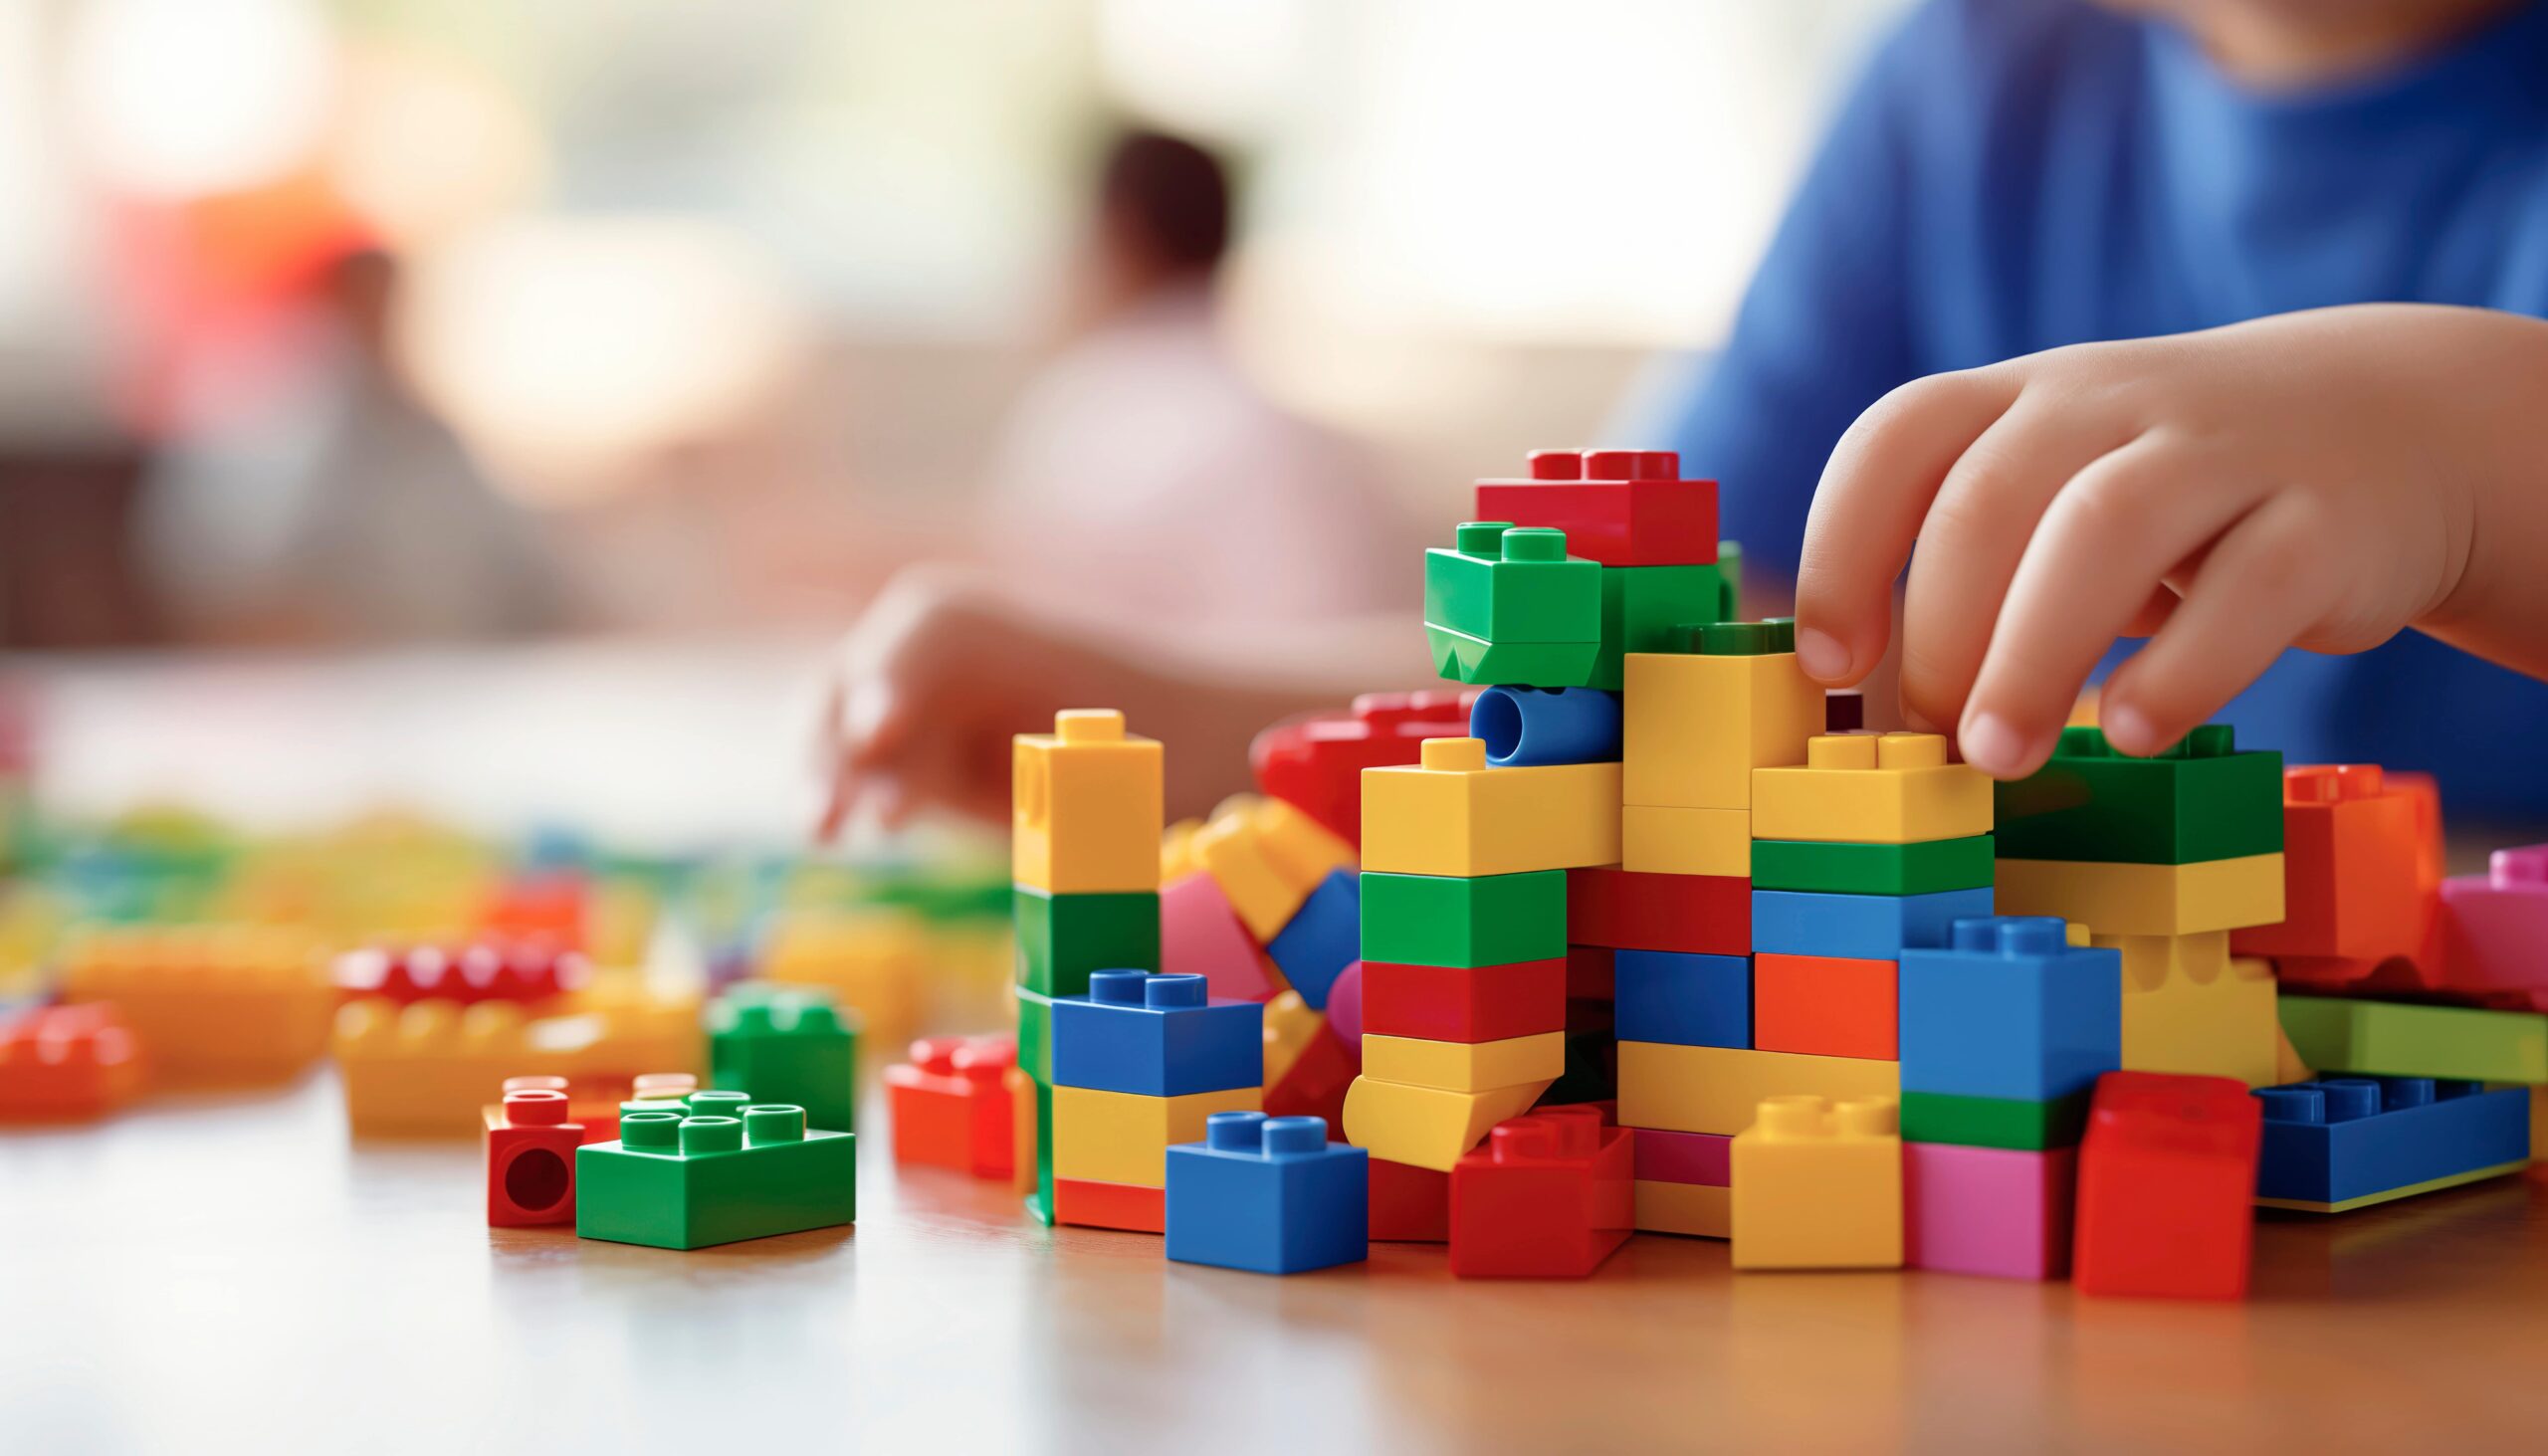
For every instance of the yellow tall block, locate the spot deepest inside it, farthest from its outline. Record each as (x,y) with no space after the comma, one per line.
(1873,789)
(2189,1007)
(1717,1088)
(1428,1127)
(1693,728)
(2146,899)
(1704,1209)
(1451,814)
(1085,806)
(1121,1138)
(1661,840)
(1818,1185)
(1267,855)
(1456,1066)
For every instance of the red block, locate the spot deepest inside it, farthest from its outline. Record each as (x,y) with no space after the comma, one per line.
(527,971)
(1548,1195)
(1591,974)
(1450,1003)
(1620,508)
(1409,1204)
(1199,935)
(67,1064)
(1315,763)
(1314,1086)
(1708,914)
(530,1159)
(1087,1203)
(2166,1173)
(1825,1007)
(950,1106)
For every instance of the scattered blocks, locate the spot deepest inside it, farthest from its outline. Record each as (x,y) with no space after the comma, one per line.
(1818,1185)
(1858,927)
(684,1182)
(1873,868)
(531,1161)
(1199,935)
(1324,936)
(1087,809)
(2166,1176)
(1695,726)
(2392,1039)
(1718,1089)
(1428,1127)
(1824,1006)
(1879,788)
(1268,1195)
(1440,919)
(1156,1036)
(953,1106)
(1620,508)
(2348,1141)
(1453,815)
(2119,897)
(1530,726)
(1999,1212)
(1549,1196)
(1507,604)
(1463,1003)
(1315,763)
(2010,1010)
(1691,913)
(786,1045)
(2200,800)
(1687,1000)
(67,1064)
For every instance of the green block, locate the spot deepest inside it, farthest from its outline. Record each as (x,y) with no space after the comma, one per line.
(788,1045)
(1062,938)
(674,1181)
(1743,639)
(1873,868)
(1437,919)
(1651,609)
(1994,1121)
(1040,1202)
(1508,605)
(1729,585)
(1035,1035)
(2200,800)
(2392,1039)
(1472,660)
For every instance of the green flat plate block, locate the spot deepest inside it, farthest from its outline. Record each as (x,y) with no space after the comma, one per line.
(2392,1039)
(1648,609)
(1062,938)
(791,1046)
(2201,800)
(1036,1036)
(1437,919)
(695,1182)
(1506,584)
(1473,660)
(1873,868)
(1994,1121)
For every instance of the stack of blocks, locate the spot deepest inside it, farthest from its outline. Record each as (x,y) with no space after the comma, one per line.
(1140,1063)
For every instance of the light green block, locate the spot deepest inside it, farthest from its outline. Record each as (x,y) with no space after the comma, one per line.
(2394,1039)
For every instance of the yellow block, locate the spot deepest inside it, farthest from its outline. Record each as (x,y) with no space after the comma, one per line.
(430,1069)
(1267,857)
(1426,1126)
(1695,726)
(1291,1024)
(1452,814)
(1121,1138)
(1704,1209)
(1818,1185)
(1085,806)
(1176,851)
(2146,899)
(1873,789)
(211,1005)
(1465,1065)
(1669,841)
(1717,1088)
(2190,1008)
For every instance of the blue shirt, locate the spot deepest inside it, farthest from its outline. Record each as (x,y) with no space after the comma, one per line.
(2012,175)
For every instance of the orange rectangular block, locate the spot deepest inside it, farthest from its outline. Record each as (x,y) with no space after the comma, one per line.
(1825,1007)
(2354,872)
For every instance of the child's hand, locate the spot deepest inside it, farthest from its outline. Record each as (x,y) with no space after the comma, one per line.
(2319,480)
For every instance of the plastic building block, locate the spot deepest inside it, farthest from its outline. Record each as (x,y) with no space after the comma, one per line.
(1463,1003)
(2126,897)
(2191,1008)
(1656,840)
(1858,927)
(1702,1211)
(1718,1089)
(2202,799)
(2495,925)
(1664,1157)
(1465,1065)
(1439,920)
(953,1105)
(1156,1036)
(1268,1194)
(527,971)
(1695,726)
(1508,605)
(1324,936)
(432,1068)
(1311,1080)
(1121,1138)
(531,1161)
(684,1182)
(2345,1142)
(1315,763)
(1091,1203)
(1530,726)
(1873,789)
(1199,935)
(1453,815)
(1290,1024)
(1818,1185)
(1063,938)
(2166,1178)
(1688,1000)
(1992,1211)
(1729,580)
(1824,1005)
(1651,609)
(2020,1123)
(67,1064)
(1620,508)
(1345,1007)
(1549,1196)
(790,1045)
(2350,857)
(2388,1039)
(213,1004)
(1409,1204)
(1873,868)
(1087,806)
(1428,1127)
(2011,1009)
(1039,1197)
(1619,910)
(1035,1035)
(1268,856)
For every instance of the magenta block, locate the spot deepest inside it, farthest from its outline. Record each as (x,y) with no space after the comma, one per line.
(2495,923)
(1987,1210)
(1683,1157)
(1344,1011)
(1199,935)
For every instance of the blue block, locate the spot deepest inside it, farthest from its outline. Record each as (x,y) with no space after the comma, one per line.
(2010,1010)
(1860,927)
(2352,1140)
(1523,727)
(1687,1000)
(1156,1036)
(1322,938)
(1268,1194)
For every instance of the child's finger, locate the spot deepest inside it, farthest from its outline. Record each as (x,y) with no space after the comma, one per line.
(1868,508)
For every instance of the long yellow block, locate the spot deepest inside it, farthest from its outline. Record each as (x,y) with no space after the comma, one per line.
(1818,1185)
(1452,814)
(1672,841)
(1873,789)
(431,1068)
(1695,726)
(1465,1065)
(2189,1007)
(1085,806)
(1267,855)
(1427,1127)
(2146,899)
(1121,1138)
(1717,1088)
(1703,1209)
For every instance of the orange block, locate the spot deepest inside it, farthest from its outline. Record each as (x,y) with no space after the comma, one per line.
(1824,1006)
(2362,879)
(1088,1203)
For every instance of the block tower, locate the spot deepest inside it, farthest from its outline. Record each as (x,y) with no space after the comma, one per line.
(1085,822)
(1140,1063)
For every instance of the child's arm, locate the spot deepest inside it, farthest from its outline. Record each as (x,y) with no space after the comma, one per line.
(2320,479)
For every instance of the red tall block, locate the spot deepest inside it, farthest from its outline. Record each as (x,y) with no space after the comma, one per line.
(1620,508)
(952,1108)
(1315,763)
(2167,1175)
(530,1159)
(1464,1004)
(1707,915)
(1548,1195)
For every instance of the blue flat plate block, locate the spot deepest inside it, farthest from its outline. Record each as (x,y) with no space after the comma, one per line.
(2347,1138)
(1861,926)
(1686,1000)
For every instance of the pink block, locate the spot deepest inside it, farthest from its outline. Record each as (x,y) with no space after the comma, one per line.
(1199,935)
(1345,1009)
(1987,1210)
(1684,1158)
(2495,925)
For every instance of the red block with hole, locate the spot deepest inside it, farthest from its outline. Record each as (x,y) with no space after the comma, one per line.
(1315,763)
(1464,1004)
(1706,914)
(1620,508)
(1548,1195)
(952,1108)
(2167,1175)
(530,1159)
(1409,1204)
(1087,1203)
(67,1064)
